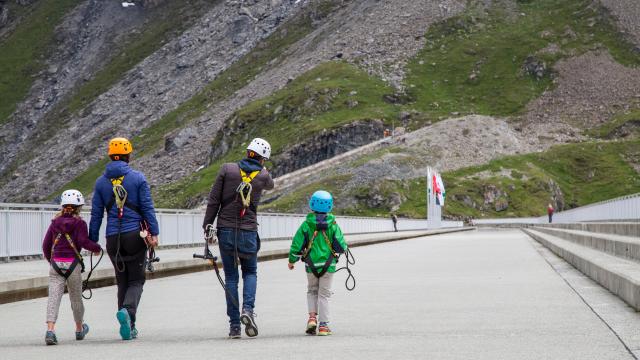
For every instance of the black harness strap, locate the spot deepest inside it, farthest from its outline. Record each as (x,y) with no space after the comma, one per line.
(77,257)
(68,271)
(324,269)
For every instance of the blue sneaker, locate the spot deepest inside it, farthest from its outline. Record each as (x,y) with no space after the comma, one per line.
(125,323)
(134,333)
(50,338)
(81,334)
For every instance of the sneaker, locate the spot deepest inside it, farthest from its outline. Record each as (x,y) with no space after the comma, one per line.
(235,332)
(134,332)
(312,325)
(50,338)
(250,327)
(81,334)
(324,330)
(125,323)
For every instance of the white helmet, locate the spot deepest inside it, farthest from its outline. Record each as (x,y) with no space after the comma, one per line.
(261,147)
(72,197)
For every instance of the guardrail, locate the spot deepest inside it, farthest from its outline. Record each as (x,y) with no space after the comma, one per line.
(624,208)
(22,227)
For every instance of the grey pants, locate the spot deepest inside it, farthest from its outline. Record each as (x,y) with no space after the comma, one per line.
(56,290)
(318,294)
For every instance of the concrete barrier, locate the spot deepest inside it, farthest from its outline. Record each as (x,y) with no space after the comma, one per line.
(619,275)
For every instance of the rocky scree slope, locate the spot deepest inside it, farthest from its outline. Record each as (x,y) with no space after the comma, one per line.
(151,89)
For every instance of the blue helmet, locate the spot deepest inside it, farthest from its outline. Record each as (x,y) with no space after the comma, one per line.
(321,201)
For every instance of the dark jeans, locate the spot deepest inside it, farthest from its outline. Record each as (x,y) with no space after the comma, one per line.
(550,218)
(246,245)
(132,277)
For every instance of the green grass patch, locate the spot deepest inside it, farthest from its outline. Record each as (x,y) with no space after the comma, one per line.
(297,200)
(23,49)
(474,63)
(610,129)
(586,173)
(330,95)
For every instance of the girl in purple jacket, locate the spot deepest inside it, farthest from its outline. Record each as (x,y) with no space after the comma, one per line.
(65,239)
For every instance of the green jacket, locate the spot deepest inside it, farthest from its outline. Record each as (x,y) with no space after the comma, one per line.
(320,250)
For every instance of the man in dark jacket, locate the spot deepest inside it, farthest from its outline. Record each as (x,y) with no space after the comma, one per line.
(233,200)
(127,214)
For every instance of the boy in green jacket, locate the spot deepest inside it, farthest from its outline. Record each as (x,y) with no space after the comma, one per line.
(318,242)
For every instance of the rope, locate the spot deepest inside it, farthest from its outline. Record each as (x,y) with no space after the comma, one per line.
(350,261)
(85,283)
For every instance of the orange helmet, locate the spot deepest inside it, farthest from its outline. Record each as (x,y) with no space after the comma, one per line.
(120,146)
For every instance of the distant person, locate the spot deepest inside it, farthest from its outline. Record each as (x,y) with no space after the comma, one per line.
(550,211)
(234,200)
(66,237)
(125,195)
(394,218)
(318,243)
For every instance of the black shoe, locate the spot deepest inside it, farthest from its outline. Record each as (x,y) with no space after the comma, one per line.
(235,332)
(250,327)
(50,338)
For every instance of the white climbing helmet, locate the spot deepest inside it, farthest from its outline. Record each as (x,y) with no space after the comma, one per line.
(72,197)
(261,147)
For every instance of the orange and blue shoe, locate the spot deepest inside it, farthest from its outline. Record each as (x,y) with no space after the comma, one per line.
(312,325)
(324,330)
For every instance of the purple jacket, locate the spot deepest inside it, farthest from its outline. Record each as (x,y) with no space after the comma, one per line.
(76,228)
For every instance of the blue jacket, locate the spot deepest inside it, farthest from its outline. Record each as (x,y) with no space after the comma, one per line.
(138,194)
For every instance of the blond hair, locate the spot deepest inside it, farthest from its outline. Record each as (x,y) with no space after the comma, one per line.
(69,209)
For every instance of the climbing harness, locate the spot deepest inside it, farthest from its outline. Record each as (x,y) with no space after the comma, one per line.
(150,257)
(210,236)
(77,260)
(244,190)
(119,199)
(85,283)
(336,251)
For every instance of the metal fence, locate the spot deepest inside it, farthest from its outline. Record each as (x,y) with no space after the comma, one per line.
(22,227)
(625,208)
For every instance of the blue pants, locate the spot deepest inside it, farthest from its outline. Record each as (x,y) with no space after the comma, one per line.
(245,244)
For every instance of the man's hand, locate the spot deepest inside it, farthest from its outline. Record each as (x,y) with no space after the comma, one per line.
(291,266)
(153,241)
(97,253)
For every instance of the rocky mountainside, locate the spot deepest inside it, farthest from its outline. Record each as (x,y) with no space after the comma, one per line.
(190,82)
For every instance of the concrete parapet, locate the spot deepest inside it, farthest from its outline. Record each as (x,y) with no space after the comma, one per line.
(618,275)
(617,245)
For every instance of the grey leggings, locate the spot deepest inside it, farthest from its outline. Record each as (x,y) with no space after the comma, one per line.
(318,294)
(56,290)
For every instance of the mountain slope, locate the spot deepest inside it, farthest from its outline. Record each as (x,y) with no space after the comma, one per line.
(472,81)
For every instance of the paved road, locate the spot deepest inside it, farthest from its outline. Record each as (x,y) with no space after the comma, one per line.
(473,295)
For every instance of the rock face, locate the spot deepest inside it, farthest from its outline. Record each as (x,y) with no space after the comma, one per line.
(146,93)
(496,197)
(327,144)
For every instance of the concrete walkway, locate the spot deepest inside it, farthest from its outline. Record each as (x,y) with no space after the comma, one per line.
(470,295)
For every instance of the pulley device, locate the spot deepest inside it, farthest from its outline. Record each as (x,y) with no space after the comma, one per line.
(150,257)
(210,237)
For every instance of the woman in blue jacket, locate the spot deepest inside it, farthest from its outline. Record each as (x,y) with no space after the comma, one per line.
(127,214)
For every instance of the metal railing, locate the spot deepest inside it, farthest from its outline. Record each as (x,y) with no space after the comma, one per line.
(22,227)
(624,208)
